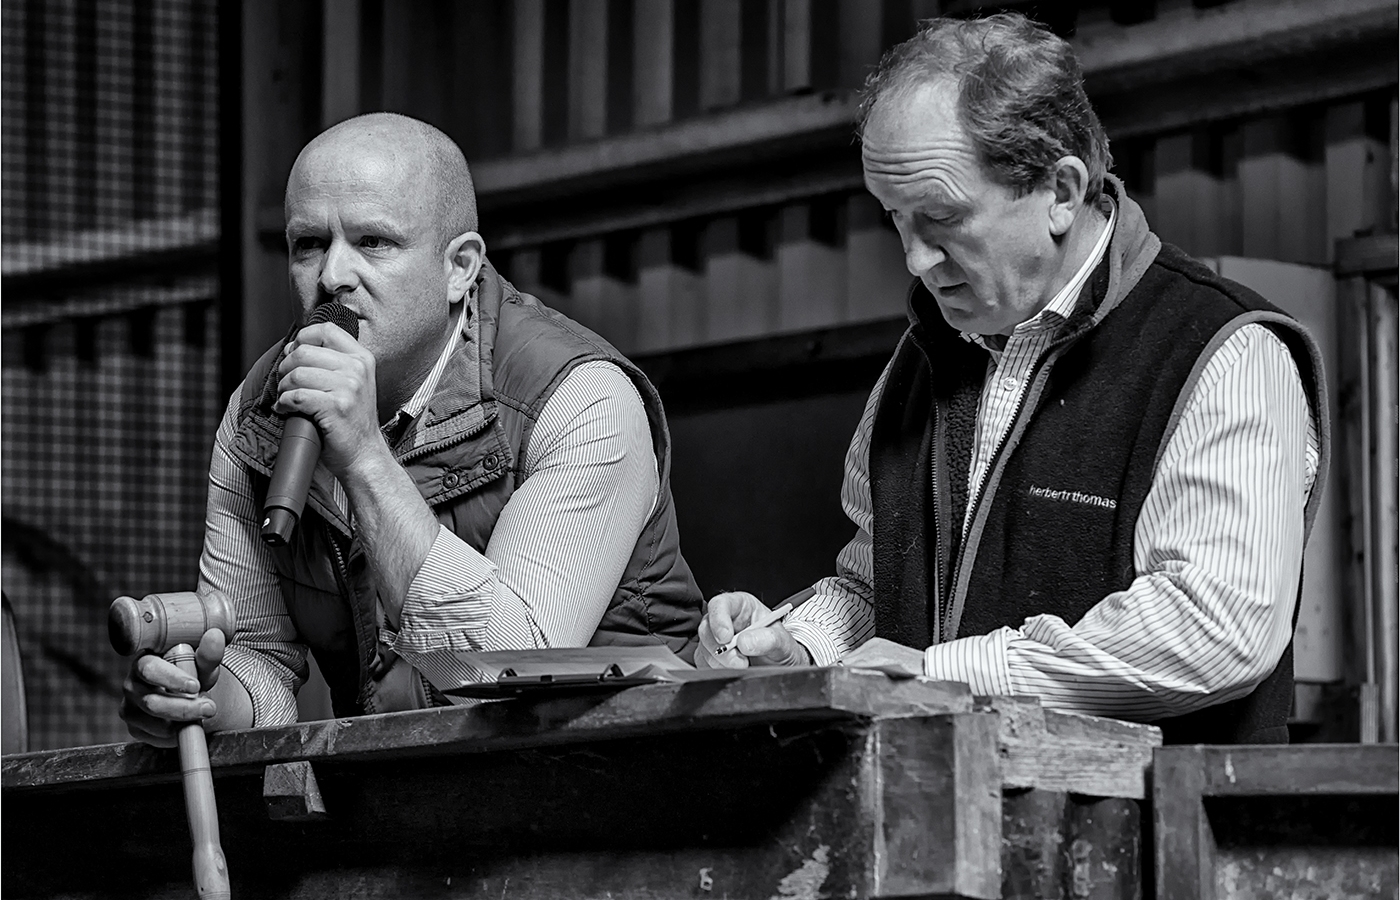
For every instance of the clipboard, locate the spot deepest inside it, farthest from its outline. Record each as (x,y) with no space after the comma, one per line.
(510,684)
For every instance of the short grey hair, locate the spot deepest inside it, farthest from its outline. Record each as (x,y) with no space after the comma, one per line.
(1020,97)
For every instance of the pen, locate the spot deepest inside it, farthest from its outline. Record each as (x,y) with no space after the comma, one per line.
(771,617)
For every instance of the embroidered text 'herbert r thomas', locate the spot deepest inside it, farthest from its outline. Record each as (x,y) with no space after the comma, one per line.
(1073,497)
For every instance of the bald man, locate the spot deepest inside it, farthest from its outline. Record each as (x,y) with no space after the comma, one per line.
(493,475)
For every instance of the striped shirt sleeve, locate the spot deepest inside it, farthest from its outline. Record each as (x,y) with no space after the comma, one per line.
(1218,551)
(562,541)
(266,657)
(549,570)
(840,616)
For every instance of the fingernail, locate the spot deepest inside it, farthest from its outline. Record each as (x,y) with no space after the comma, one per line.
(206,709)
(190,687)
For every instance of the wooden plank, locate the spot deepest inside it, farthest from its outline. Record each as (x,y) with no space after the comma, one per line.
(1274,190)
(797,45)
(528,81)
(1385,520)
(831,694)
(937,815)
(292,793)
(770,130)
(740,288)
(1299,770)
(770,809)
(1370,255)
(859,42)
(719,53)
(1357,176)
(1180,39)
(670,296)
(877,281)
(653,56)
(601,301)
(811,262)
(1184,843)
(1189,194)
(588,69)
(340,60)
(1105,849)
(1070,753)
(1033,837)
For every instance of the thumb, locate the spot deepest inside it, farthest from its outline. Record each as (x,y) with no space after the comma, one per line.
(765,642)
(208,656)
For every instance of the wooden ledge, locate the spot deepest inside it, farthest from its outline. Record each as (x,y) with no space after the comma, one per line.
(829,695)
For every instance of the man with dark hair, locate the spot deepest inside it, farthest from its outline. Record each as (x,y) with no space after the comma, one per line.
(494,476)
(1089,470)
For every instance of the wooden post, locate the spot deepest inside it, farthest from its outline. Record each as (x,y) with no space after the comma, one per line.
(1356,170)
(1185,844)
(860,44)
(1188,192)
(340,60)
(1033,837)
(948,763)
(588,69)
(811,262)
(740,283)
(669,295)
(1282,184)
(719,53)
(877,281)
(528,83)
(653,52)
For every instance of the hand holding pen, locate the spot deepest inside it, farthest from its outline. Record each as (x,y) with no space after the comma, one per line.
(738,630)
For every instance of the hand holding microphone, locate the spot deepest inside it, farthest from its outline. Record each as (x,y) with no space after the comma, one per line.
(299,450)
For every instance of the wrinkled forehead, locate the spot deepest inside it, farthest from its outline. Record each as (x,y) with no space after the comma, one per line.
(913,116)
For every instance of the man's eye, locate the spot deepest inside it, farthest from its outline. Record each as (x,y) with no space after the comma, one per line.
(306,244)
(374,242)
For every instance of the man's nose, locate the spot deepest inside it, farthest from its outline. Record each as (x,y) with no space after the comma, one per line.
(920,256)
(338,269)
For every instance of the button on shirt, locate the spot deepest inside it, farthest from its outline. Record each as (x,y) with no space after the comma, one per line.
(1217,546)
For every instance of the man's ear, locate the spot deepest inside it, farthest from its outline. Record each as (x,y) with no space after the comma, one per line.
(1069,182)
(463,259)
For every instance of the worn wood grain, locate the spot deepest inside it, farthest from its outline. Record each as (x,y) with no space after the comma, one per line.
(831,694)
(1071,753)
(787,809)
(292,794)
(1184,851)
(1300,770)
(936,807)
(1033,839)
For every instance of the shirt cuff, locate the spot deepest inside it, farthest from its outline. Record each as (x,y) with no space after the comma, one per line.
(823,649)
(451,596)
(979,662)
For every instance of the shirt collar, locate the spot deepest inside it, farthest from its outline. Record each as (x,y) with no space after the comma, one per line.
(419,401)
(1062,304)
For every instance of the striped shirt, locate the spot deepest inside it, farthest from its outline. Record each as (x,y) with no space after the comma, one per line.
(550,569)
(1218,547)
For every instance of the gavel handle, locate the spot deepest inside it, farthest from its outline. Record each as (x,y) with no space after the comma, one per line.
(210,870)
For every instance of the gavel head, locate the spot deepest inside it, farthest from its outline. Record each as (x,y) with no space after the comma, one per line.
(158,622)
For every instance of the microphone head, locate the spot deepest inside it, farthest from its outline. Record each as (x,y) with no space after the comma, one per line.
(337,314)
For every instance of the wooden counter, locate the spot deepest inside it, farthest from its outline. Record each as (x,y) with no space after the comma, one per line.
(803,783)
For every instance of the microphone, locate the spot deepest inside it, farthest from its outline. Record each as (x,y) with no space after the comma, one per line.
(299,450)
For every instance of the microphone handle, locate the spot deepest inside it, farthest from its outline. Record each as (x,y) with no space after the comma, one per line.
(291,479)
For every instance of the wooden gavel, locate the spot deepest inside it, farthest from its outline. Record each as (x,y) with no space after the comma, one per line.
(172,625)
